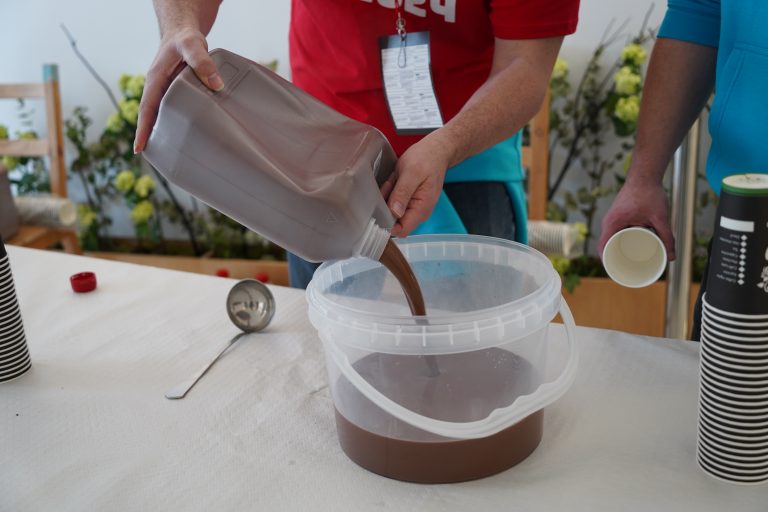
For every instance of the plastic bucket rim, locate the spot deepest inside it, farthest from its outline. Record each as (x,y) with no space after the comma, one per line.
(318,299)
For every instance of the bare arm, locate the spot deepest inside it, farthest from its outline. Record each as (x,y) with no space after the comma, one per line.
(680,79)
(183,27)
(499,108)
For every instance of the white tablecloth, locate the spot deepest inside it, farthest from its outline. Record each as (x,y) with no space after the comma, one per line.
(89,429)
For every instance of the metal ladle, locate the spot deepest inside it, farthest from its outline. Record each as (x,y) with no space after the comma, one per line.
(250,306)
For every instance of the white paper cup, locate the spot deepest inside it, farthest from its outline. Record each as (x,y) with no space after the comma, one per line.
(635,257)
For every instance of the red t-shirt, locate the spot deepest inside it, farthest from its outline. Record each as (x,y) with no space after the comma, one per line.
(335,53)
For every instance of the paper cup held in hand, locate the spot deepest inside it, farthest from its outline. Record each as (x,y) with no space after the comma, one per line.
(635,257)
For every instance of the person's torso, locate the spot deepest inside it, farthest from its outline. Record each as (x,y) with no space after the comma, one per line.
(335,55)
(738,121)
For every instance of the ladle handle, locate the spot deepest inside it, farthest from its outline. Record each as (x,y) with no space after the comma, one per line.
(497,420)
(182,389)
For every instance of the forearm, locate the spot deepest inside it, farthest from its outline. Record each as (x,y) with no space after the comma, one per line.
(506,102)
(680,79)
(174,15)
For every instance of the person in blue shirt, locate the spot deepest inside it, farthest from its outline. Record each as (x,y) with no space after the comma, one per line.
(702,44)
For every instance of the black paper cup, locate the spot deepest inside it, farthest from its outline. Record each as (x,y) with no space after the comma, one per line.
(712,378)
(729,352)
(737,280)
(728,477)
(731,446)
(721,392)
(756,412)
(742,321)
(743,426)
(719,363)
(737,342)
(729,434)
(754,380)
(14,355)
(15,374)
(749,462)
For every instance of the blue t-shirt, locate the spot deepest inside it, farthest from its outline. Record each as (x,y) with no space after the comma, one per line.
(739,116)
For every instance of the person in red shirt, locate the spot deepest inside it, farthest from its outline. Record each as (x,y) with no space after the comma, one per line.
(490,63)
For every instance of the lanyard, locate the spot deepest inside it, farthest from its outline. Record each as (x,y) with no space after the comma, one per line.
(400,21)
(400,27)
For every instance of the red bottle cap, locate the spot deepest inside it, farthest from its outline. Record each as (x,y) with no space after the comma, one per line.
(262,276)
(222,272)
(83,282)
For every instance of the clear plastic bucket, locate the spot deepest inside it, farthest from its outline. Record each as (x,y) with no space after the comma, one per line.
(457,394)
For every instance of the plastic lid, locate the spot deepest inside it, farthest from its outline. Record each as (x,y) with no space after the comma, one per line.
(480,292)
(747,184)
(83,282)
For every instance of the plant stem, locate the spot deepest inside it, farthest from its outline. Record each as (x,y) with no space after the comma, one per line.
(88,66)
(182,212)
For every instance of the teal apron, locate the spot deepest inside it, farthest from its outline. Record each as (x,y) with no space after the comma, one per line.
(502,163)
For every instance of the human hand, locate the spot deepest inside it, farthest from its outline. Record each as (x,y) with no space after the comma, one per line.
(414,187)
(639,203)
(182,47)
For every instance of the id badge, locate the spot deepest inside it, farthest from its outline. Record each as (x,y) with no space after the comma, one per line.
(408,87)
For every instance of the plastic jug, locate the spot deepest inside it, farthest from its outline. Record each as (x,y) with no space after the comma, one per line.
(275,159)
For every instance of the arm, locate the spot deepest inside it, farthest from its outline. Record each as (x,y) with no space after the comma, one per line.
(183,27)
(680,79)
(499,108)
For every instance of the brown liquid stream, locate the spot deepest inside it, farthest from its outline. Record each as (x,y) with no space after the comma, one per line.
(394,260)
(469,387)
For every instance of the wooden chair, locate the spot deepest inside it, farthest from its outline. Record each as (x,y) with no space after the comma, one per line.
(40,237)
(536,162)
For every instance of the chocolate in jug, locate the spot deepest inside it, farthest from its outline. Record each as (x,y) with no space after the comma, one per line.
(275,159)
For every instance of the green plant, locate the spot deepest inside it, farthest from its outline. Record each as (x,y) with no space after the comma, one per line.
(601,111)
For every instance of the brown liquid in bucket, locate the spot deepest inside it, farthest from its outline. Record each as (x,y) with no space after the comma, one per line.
(483,380)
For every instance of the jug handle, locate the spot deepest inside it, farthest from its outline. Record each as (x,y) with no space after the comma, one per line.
(497,420)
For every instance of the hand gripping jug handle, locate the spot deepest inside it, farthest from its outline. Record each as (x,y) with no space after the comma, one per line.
(497,420)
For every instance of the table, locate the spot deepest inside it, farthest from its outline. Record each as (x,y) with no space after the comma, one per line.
(89,429)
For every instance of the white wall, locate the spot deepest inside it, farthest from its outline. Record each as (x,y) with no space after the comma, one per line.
(121,37)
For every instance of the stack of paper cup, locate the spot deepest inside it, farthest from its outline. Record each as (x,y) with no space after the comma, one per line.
(733,396)
(14,356)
